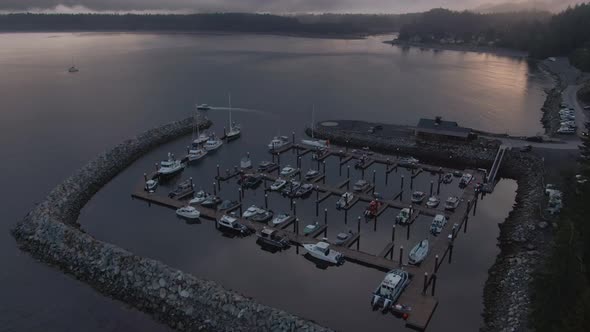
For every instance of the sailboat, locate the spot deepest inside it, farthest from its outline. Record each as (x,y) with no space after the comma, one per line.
(234,128)
(314,143)
(201,138)
(73,68)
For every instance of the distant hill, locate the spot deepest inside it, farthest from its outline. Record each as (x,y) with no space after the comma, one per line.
(528,5)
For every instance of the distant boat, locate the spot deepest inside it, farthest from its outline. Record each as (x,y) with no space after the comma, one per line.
(281,218)
(200,138)
(235,129)
(278,185)
(390,289)
(151,185)
(188,212)
(203,107)
(315,143)
(418,253)
(73,68)
(278,142)
(196,154)
(213,143)
(232,224)
(288,171)
(322,251)
(344,200)
(418,197)
(432,202)
(273,238)
(452,203)
(404,216)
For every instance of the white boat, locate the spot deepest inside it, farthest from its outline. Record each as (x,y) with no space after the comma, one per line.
(312,173)
(232,224)
(188,212)
(198,139)
(418,197)
(403,217)
(252,211)
(246,163)
(344,200)
(341,238)
(199,198)
(280,218)
(361,186)
(432,202)
(196,154)
(278,184)
(308,229)
(419,252)
(170,167)
(235,130)
(273,238)
(448,178)
(203,107)
(213,143)
(151,185)
(288,171)
(314,143)
(201,139)
(278,142)
(321,250)
(438,223)
(452,203)
(465,180)
(390,289)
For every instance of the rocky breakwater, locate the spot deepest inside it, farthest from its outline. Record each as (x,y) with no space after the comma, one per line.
(51,234)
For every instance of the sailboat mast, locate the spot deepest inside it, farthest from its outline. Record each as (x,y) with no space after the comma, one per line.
(229,97)
(312,119)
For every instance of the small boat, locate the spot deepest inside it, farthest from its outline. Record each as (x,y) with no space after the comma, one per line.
(390,289)
(227,205)
(211,201)
(265,166)
(452,203)
(188,212)
(235,130)
(438,223)
(184,188)
(273,238)
(246,163)
(341,238)
(280,218)
(291,188)
(465,180)
(308,229)
(315,143)
(288,171)
(418,253)
(432,202)
(408,161)
(251,211)
(312,174)
(304,190)
(196,154)
(319,153)
(203,107)
(201,139)
(213,143)
(278,142)
(321,250)
(403,217)
(361,162)
(457,174)
(251,181)
(151,185)
(278,184)
(73,68)
(448,178)
(344,200)
(373,208)
(418,197)
(199,198)
(232,224)
(262,216)
(170,167)
(361,186)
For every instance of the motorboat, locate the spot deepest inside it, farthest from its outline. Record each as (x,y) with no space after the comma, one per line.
(199,198)
(211,201)
(457,174)
(232,224)
(184,188)
(373,208)
(246,163)
(288,171)
(438,223)
(361,186)
(151,185)
(262,216)
(265,166)
(278,142)
(312,174)
(170,167)
(404,216)
(432,202)
(290,189)
(465,180)
(278,184)
(203,107)
(315,143)
(319,153)
(452,203)
(196,154)
(188,212)
(227,205)
(213,143)
(322,251)
(280,218)
(342,238)
(360,163)
(251,211)
(418,252)
(408,161)
(308,229)
(418,197)
(304,190)
(273,238)
(201,139)
(344,200)
(447,178)
(73,69)
(251,181)
(390,289)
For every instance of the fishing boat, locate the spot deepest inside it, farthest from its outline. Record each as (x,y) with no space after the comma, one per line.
(452,203)
(418,252)
(438,223)
(183,189)
(265,166)
(361,186)
(291,188)
(201,139)
(232,224)
(342,238)
(170,167)
(373,208)
(432,202)
(246,163)
(447,178)
(263,216)
(308,229)
(203,107)
(418,197)
(344,200)
(314,143)
(288,171)
(227,205)
(278,184)
(390,289)
(278,142)
(211,202)
(199,198)
(322,251)
(273,238)
(196,154)
(151,185)
(251,211)
(188,212)
(465,180)
(213,143)
(235,130)
(280,218)
(311,174)
(403,217)
(304,190)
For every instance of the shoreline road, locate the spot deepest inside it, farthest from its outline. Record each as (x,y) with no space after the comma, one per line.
(570,97)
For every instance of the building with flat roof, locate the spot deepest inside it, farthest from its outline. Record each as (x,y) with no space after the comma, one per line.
(439,129)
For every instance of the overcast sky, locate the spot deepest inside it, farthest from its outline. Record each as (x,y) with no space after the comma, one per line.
(273,6)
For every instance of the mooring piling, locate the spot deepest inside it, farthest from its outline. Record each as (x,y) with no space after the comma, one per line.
(401,255)
(345,217)
(295,208)
(393,233)
(431,187)
(401,186)
(433,278)
(435,265)
(266,201)
(325,216)
(214,189)
(425,287)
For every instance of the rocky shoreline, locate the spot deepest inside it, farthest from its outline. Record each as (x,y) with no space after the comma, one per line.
(50,233)
(525,237)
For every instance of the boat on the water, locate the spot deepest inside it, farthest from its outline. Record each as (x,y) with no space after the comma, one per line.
(203,107)
(290,189)
(278,184)
(196,154)
(438,223)
(308,229)
(251,211)
(213,143)
(314,143)
(246,163)
(278,142)
(344,200)
(452,203)
(151,185)
(263,216)
(200,196)
(188,212)
(304,190)
(232,224)
(184,188)
(465,180)
(251,181)
(408,161)
(170,167)
(288,171)
(227,205)
(312,174)
(390,289)
(273,238)
(418,197)
(280,218)
(235,130)
(342,238)
(212,201)
(418,252)
(265,166)
(403,217)
(432,202)
(447,178)
(373,208)
(322,251)
(361,186)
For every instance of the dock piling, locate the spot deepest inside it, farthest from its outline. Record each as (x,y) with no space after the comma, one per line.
(218,175)
(266,201)
(375,224)
(348,171)
(317,207)
(295,208)
(433,285)
(411,182)
(324,167)
(401,255)
(214,189)
(358,225)
(393,233)
(325,216)
(156,167)
(450,252)
(435,265)
(408,231)
(401,187)
(293,137)
(296,225)
(425,283)
(431,187)
(374,176)
(438,188)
